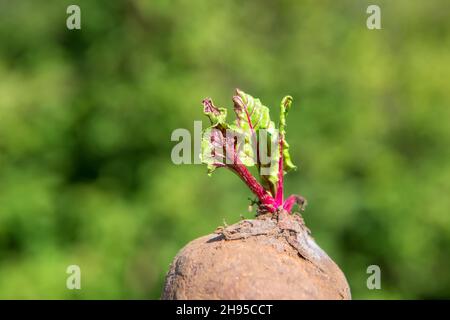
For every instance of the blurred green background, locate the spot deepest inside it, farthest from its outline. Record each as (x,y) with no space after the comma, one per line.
(86,118)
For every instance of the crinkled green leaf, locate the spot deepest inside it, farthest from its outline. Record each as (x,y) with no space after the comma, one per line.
(212,145)
(251,116)
(207,156)
(215,114)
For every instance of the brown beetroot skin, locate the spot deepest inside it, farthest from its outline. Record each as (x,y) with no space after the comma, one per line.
(271,257)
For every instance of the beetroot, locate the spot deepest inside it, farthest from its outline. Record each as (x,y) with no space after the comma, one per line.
(272,256)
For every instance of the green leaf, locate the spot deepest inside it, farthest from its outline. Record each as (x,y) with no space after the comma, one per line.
(251,117)
(213,141)
(215,114)
(284,109)
(251,114)
(208,147)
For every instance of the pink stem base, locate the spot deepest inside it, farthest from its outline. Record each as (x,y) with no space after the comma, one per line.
(264,197)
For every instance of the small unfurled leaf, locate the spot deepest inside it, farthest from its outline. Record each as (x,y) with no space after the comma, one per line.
(284,109)
(214,138)
(215,114)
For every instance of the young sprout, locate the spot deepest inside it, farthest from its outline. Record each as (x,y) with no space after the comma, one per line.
(246,143)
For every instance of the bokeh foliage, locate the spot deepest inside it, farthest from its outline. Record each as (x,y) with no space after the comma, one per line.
(86,118)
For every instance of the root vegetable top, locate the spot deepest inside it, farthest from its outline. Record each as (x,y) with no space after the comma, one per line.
(271,257)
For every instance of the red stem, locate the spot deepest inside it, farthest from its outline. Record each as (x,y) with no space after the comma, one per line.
(289,203)
(264,197)
(292,200)
(279,194)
